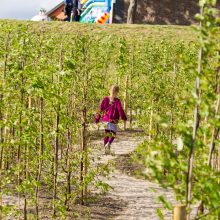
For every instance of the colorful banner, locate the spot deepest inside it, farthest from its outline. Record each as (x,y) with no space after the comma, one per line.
(93,9)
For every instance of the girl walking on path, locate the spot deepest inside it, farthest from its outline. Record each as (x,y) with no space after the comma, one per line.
(110,111)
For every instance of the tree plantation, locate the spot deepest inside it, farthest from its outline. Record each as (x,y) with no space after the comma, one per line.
(53,77)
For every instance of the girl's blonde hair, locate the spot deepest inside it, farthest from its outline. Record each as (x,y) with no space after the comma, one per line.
(113,92)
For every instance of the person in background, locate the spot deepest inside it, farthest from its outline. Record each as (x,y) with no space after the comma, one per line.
(68,8)
(111,111)
(76,10)
(80,8)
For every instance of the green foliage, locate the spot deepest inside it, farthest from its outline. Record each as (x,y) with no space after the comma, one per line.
(167,154)
(53,79)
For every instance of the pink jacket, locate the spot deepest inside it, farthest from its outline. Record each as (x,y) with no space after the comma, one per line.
(111,112)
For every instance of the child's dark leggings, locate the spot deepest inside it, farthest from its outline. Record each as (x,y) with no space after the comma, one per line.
(109,136)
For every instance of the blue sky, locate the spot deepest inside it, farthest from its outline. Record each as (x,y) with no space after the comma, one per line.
(24,9)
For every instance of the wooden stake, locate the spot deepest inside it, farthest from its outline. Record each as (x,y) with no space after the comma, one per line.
(179,212)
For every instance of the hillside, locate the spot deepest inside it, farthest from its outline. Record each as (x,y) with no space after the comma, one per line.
(130,32)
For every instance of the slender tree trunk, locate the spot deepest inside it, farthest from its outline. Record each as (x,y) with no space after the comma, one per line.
(19,152)
(1,113)
(41,151)
(68,156)
(132,11)
(215,134)
(84,147)
(83,167)
(126,99)
(26,151)
(19,149)
(192,150)
(157,123)
(68,172)
(151,121)
(84,158)
(219,159)
(131,84)
(56,148)
(189,178)
(172,102)
(130,111)
(205,136)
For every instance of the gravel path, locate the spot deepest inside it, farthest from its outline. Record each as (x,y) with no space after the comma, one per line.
(131,198)
(140,196)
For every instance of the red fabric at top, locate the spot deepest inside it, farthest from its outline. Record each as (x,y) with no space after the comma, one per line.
(111,111)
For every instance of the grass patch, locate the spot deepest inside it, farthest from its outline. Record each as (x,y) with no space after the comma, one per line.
(130,32)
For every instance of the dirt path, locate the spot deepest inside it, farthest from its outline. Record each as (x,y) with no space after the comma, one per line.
(130,198)
(134,198)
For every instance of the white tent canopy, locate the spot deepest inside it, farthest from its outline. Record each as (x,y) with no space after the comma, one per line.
(41,16)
